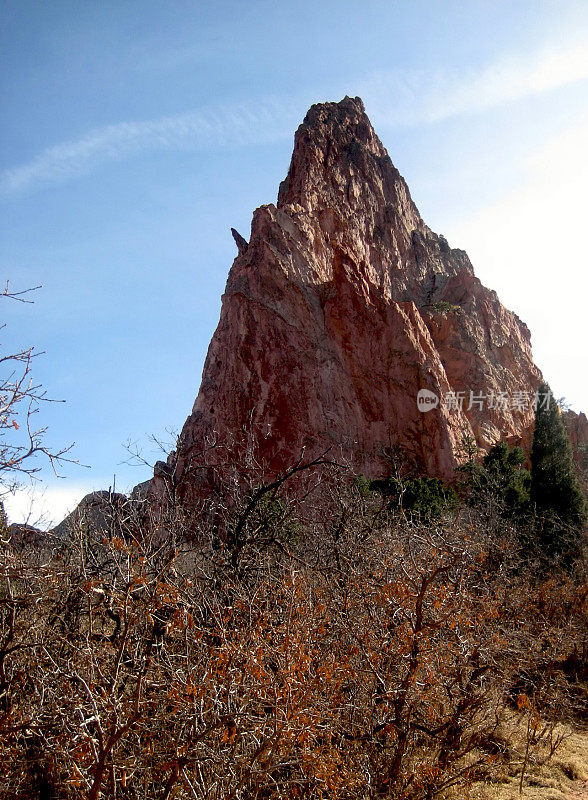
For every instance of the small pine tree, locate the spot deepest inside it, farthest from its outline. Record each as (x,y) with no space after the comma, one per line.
(555,488)
(504,474)
(423,499)
(427,499)
(500,483)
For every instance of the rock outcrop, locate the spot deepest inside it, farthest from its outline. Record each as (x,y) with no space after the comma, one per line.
(344,305)
(96,511)
(577,428)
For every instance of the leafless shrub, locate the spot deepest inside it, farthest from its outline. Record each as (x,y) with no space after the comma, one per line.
(313,643)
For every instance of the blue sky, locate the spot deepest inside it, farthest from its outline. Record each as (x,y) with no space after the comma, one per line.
(135,134)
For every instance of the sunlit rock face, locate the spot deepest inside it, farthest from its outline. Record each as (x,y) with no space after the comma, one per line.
(340,308)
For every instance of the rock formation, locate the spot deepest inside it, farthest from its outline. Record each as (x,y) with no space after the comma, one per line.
(577,428)
(341,307)
(95,511)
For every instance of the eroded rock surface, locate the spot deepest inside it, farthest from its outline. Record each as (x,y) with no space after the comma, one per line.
(341,307)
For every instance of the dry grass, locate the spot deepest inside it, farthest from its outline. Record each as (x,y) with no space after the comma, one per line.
(563,776)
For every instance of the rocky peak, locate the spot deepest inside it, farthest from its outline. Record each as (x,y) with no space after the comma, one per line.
(340,169)
(342,306)
(339,161)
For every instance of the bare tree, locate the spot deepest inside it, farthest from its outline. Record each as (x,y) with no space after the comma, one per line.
(22,439)
(323,646)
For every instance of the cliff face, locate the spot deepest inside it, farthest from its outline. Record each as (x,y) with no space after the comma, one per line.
(577,428)
(342,306)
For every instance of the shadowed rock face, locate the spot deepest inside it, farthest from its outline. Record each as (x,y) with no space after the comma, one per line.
(97,511)
(577,428)
(341,307)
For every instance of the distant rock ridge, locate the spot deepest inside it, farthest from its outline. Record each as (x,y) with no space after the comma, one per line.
(341,307)
(95,511)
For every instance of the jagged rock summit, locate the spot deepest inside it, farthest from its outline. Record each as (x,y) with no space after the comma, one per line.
(341,307)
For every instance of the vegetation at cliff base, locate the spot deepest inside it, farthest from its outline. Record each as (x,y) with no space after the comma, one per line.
(555,488)
(423,498)
(295,637)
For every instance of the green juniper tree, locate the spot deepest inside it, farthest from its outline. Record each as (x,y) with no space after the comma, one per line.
(555,488)
(423,499)
(504,473)
(499,484)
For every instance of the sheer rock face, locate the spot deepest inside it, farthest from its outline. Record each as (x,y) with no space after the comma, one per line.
(341,307)
(577,428)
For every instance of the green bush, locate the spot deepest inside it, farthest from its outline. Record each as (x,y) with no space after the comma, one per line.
(555,488)
(504,473)
(362,485)
(443,307)
(422,498)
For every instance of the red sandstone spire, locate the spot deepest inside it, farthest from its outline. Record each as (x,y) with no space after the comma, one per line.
(342,306)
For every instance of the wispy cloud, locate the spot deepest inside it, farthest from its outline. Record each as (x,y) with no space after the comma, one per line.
(399,99)
(394,98)
(220,126)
